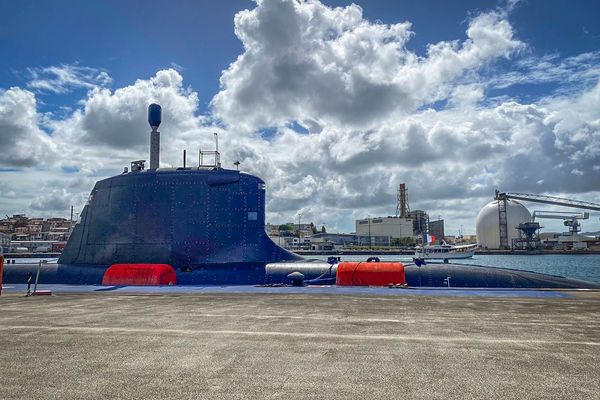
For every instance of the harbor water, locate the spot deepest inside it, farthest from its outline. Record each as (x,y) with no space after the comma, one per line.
(577,266)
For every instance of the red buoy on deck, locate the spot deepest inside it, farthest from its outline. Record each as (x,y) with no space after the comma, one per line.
(139,275)
(370,274)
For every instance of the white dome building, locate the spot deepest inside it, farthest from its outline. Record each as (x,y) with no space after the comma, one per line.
(487,225)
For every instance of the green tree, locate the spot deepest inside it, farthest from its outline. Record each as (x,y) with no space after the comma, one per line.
(287,227)
(323,229)
(403,241)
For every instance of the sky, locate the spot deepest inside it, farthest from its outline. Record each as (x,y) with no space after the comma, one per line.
(332,103)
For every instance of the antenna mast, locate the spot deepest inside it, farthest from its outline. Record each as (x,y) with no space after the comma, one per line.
(154,119)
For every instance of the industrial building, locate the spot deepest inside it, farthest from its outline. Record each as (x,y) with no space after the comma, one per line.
(380,231)
(419,218)
(436,228)
(391,227)
(420,221)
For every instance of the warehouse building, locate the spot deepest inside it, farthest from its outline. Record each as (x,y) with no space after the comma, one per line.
(390,227)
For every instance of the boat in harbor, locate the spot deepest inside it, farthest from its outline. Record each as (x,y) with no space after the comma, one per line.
(444,252)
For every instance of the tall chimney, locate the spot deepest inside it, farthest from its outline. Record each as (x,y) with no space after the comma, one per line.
(154,119)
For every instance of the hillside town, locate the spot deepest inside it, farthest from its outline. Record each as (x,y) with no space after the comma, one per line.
(21,234)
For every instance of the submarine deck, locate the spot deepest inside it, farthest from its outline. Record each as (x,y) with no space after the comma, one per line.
(184,345)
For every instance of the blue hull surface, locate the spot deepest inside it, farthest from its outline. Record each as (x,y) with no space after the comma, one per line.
(471,276)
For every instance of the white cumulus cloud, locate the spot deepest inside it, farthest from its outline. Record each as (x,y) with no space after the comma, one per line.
(22,142)
(66,77)
(306,62)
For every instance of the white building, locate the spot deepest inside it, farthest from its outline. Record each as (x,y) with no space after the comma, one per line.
(4,243)
(392,227)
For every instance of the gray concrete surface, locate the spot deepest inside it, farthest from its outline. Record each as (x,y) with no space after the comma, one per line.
(197,346)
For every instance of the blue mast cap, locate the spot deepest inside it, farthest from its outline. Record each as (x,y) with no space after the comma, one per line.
(154,115)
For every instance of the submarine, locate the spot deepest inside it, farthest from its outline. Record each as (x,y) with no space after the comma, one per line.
(205,225)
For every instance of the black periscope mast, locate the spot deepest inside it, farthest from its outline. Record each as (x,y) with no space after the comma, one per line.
(204,225)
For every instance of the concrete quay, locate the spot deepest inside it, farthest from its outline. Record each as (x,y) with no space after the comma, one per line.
(301,345)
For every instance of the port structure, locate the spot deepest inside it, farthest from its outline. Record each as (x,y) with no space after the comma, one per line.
(503,223)
(503,197)
(419,217)
(212,155)
(570,219)
(402,207)
(529,237)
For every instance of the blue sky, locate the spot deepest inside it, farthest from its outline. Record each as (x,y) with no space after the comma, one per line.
(134,39)
(130,39)
(514,111)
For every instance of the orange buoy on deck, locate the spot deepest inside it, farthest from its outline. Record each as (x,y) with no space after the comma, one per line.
(370,274)
(139,275)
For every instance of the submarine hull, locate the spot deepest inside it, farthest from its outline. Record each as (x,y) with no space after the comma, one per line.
(470,276)
(431,275)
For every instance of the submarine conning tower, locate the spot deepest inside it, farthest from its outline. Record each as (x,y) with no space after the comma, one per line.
(189,217)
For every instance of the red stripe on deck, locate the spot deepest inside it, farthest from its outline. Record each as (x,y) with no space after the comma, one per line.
(139,275)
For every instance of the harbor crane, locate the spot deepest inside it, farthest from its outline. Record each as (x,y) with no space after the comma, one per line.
(569,218)
(564,215)
(503,197)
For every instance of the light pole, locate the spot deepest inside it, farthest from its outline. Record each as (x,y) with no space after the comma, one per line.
(369,231)
(399,234)
(299,215)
